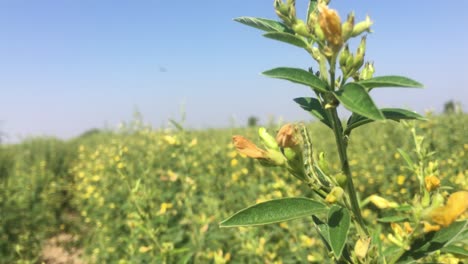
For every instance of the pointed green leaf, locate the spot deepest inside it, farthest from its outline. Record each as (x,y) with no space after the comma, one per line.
(298,76)
(455,250)
(406,157)
(274,211)
(390,81)
(287,38)
(394,114)
(339,221)
(322,229)
(264,24)
(433,241)
(313,106)
(356,99)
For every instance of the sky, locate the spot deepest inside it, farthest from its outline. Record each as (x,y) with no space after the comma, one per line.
(72,65)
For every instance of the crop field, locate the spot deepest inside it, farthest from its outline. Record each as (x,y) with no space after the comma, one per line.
(139,195)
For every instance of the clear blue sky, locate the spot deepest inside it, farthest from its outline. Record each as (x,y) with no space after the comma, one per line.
(68,66)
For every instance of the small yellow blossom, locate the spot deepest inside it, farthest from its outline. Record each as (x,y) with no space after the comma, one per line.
(430,228)
(432,183)
(401,179)
(144,249)
(234,162)
(164,207)
(381,202)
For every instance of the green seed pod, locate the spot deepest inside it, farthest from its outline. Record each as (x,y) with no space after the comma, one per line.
(361,27)
(301,29)
(341,179)
(347,27)
(292,9)
(319,32)
(267,139)
(344,56)
(367,72)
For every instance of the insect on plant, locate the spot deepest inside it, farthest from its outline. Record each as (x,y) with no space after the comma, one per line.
(414,230)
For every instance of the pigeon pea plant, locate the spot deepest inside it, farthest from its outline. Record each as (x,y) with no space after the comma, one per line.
(417,229)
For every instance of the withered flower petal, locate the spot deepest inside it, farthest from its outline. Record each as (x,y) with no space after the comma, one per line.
(286,137)
(246,147)
(330,23)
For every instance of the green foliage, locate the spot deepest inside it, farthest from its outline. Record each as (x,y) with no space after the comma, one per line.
(297,76)
(275,211)
(339,221)
(124,214)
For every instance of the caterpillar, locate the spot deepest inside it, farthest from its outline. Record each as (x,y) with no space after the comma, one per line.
(313,173)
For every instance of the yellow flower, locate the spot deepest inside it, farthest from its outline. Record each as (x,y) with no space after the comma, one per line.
(381,202)
(430,228)
(144,249)
(330,23)
(456,205)
(164,207)
(432,183)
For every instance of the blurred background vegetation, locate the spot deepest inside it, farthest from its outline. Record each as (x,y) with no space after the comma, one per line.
(139,195)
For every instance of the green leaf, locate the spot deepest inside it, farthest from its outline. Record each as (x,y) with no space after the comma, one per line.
(395,114)
(392,219)
(406,157)
(455,250)
(356,99)
(339,221)
(433,241)
(322,229)
(390,81)
(313,106)
(264,24)
(298,76)
(287,38)
(274,211)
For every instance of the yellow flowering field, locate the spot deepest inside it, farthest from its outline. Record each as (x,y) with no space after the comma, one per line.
(143,195)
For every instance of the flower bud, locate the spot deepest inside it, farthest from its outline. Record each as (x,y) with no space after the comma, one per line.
(282,10)
(335,195)
(267,139)
(341,179)
(431,183)
(381,202)
(367,72)
(312,20)
(344,57)
(359,58)
(292,8)
(249,149)
(286,137)
(347,27)
(330,23)
(301,29)
(361,27)
(318,32)
(361,247)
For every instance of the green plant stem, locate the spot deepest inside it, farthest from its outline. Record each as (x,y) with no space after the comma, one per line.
(342,151)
